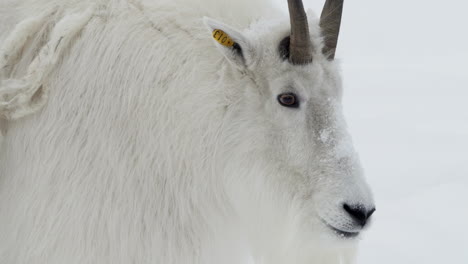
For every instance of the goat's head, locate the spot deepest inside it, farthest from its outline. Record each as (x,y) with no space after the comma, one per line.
(290,118)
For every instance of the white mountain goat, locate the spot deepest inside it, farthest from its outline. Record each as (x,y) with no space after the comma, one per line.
(138,131)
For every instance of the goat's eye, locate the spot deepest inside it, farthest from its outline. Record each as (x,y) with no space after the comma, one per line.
(288,100)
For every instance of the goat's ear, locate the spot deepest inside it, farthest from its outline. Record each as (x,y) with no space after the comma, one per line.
(232,43)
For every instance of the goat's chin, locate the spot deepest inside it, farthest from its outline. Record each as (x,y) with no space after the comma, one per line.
(324,246)
(338,240)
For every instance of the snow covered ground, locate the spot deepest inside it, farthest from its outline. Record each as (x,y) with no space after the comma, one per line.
(406,101)
(410,125)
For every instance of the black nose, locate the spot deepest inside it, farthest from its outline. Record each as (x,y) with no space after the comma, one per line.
(359,213)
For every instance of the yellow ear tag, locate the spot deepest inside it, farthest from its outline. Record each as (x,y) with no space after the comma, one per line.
(222,38)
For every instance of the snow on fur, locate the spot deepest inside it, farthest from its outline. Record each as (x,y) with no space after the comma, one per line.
(145,141)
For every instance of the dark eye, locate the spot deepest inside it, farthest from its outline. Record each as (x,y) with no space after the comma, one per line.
(288,100)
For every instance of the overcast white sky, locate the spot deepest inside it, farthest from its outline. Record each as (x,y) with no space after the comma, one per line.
(405,29)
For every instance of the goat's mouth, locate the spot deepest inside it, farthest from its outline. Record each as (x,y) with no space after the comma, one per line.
(343,234)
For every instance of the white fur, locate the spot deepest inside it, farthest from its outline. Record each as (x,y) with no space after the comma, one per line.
(151,143)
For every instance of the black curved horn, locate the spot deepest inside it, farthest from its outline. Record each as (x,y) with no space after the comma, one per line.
(300,46)
(330,22)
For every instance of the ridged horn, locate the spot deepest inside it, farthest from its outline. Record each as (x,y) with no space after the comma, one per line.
(330,22)
(300,46)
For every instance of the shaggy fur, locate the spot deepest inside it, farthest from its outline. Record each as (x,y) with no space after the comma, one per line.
(130,136)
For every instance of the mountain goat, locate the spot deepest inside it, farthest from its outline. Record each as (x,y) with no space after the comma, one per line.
(174,131)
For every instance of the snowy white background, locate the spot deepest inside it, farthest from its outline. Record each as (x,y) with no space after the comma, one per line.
(406,101)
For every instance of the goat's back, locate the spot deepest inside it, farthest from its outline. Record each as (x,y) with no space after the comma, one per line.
(107,170)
